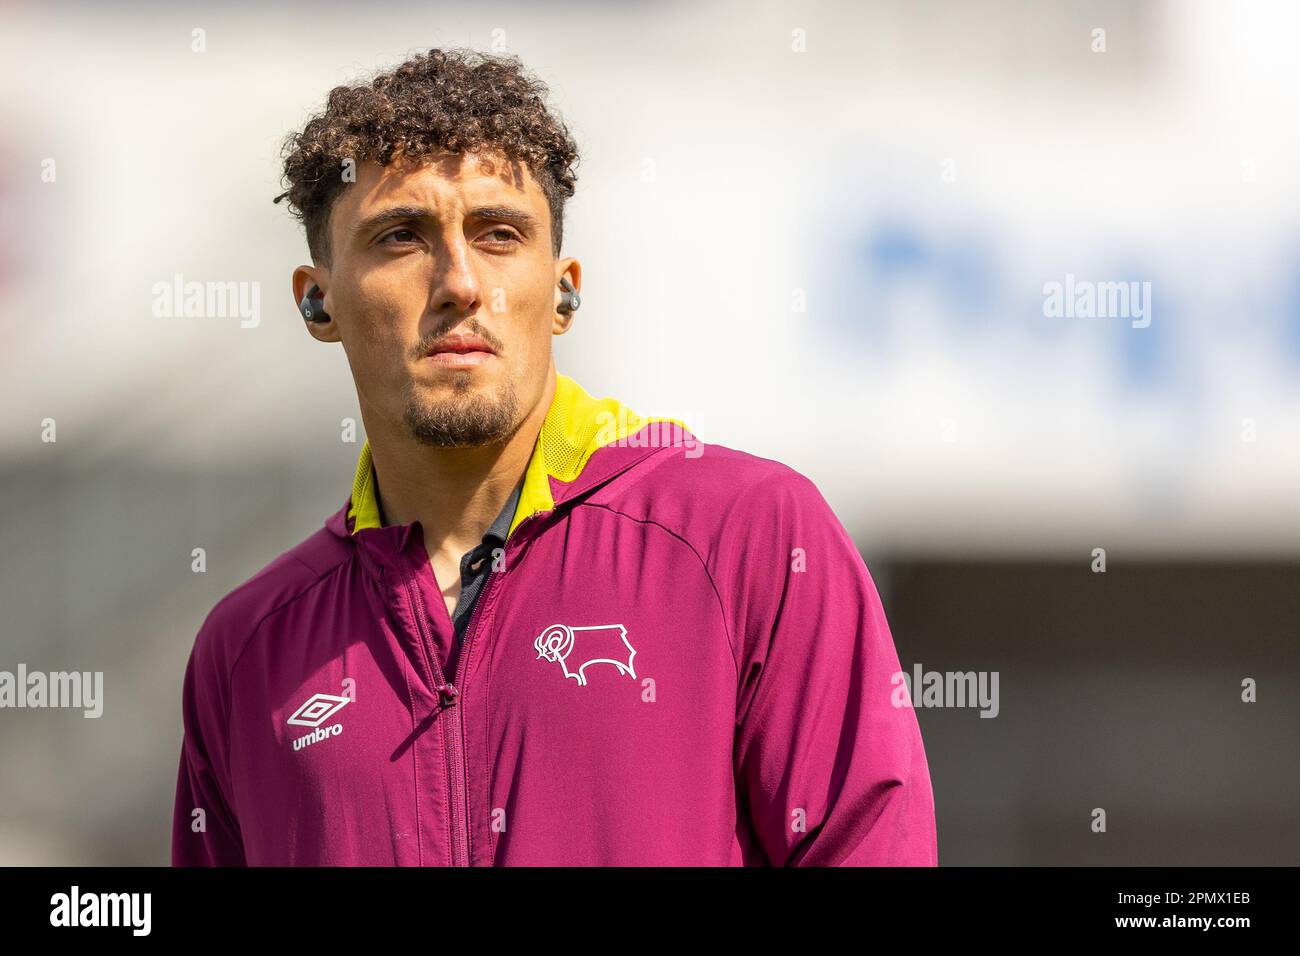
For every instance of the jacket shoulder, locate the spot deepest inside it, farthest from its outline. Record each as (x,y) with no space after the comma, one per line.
(234,619)
(727,477)
(714,494)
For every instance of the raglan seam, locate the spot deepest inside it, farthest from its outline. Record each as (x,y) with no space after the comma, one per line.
(230,674)
(722,609)
(788,473)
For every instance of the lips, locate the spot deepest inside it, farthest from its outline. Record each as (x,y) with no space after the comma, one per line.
(461,344)
(463,351)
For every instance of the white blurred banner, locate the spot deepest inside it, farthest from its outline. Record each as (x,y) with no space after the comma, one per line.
(821,232)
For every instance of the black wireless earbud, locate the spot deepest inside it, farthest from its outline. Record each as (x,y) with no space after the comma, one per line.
(312,306)
(569,298)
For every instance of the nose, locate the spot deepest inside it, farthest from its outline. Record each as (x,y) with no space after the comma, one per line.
(456,292)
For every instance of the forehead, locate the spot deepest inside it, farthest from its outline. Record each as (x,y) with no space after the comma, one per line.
(441,182)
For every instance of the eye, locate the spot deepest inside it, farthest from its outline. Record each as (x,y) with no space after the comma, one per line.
(504,235)
(400,236)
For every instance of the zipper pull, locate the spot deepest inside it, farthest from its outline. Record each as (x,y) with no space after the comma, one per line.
(448,693)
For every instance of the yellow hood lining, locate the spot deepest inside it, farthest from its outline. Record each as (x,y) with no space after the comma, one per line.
(576,425)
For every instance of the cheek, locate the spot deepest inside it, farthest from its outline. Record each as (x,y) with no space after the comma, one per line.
(378,327)
(376,355)
(532,333)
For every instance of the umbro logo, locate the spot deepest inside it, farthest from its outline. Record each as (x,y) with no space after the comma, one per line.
(315,711)
(318,709)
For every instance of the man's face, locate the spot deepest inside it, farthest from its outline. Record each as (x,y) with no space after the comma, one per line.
(442,285)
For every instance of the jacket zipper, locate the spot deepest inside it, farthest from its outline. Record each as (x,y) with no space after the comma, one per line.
(460,788)
(453,740)
(447,693)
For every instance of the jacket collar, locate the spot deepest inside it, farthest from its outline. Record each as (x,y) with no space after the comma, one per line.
(563,464)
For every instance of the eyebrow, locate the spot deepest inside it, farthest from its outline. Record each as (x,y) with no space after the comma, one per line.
(509,214)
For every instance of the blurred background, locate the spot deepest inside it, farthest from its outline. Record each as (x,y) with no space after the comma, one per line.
(862,205)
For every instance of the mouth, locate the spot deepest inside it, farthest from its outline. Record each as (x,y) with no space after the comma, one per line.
(460,351)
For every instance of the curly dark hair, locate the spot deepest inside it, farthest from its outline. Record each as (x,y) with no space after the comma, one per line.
(452,100)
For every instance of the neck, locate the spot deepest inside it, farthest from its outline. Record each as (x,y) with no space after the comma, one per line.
(455,493)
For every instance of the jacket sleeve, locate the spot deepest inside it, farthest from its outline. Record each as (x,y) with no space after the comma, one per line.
(205,831)
(830,769)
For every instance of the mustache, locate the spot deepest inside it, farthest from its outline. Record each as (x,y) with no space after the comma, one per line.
(426,343)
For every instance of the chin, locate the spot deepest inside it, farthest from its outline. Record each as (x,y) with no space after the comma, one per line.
(460,411)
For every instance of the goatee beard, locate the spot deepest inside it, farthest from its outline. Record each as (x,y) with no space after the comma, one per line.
(464,420)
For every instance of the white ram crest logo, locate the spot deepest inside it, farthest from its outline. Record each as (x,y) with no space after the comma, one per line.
(577,648)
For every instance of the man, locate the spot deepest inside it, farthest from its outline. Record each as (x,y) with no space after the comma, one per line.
(543,629)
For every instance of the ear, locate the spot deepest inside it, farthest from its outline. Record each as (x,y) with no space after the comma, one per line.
(304,277)
(570,269)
